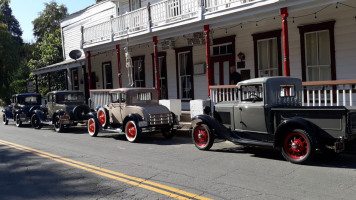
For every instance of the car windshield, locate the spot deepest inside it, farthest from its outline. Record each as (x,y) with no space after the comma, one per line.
(70,98)
(29,100)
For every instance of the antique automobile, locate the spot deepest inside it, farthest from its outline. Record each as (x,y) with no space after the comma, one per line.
(63,108)
(269,113)
(22,107)
(134,111)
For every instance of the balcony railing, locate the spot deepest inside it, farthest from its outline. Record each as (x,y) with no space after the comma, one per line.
(158,14)
(216,5)
(318,93)
(173,10)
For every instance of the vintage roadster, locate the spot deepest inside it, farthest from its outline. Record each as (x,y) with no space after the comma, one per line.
(22,107)
(134,111)
(269,113)
(63,108)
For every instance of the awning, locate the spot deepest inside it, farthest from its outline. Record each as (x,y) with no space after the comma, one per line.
(67,64)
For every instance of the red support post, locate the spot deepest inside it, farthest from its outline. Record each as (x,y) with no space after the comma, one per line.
(89,70)
(284,15)
(207,52)
(155,52)
(118,65)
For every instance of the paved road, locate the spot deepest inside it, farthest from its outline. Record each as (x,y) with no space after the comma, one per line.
(157,168)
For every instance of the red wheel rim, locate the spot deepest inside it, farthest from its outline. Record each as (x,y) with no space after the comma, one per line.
(296,145)
(201,136)
(131,130)
(91,126)
(101,117)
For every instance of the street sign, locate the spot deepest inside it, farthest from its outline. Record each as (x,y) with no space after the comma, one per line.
(30,87)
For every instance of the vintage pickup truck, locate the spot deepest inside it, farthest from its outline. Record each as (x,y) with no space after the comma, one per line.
(269,113)
(134,111)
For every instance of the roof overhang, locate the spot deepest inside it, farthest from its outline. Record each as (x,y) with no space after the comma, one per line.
(67,64)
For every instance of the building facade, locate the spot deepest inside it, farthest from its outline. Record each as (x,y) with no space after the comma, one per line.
(193,44)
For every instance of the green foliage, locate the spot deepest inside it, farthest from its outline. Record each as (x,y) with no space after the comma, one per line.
(49,20)
(7,18)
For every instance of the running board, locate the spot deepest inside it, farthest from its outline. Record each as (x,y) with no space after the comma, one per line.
(112,130)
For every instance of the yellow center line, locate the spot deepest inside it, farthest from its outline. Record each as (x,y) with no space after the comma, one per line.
(158,188)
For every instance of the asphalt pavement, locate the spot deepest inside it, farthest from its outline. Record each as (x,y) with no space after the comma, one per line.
(43,164)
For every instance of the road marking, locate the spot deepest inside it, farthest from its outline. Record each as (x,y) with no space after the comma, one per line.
(138,182)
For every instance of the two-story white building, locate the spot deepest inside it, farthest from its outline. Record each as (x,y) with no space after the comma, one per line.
(192,44)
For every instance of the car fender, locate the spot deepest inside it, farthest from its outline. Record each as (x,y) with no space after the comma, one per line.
(58,112)
(133,116)
(295,123)
(8,114)
(213,124)
(32,109)
(93,115)
(40,114)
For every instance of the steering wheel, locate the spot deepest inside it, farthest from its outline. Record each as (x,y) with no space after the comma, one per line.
(255,97)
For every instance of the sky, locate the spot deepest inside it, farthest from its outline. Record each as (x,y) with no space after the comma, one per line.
(25,11)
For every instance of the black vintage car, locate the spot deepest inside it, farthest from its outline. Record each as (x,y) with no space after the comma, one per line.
(63,108)
(21,108)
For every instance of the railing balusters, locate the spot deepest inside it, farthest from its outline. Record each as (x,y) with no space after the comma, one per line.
(350,92)
(343,95)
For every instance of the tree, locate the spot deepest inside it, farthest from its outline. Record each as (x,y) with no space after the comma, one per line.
(7,18)
(48,52)
(9,60)
(49,20)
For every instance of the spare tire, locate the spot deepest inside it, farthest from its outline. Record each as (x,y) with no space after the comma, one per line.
(80,112)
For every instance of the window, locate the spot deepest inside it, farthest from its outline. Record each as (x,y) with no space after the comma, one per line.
(287,91)
(267,57)
(135,4)
(67,98)
(29,100)
(174,8)
(144,96)
(318,51)
(75,79)
(138,71)
(252,93)
(222,49)
(267,54)
(185,75)
(118,97)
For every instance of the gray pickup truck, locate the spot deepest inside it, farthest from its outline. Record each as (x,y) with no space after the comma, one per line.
(269,113)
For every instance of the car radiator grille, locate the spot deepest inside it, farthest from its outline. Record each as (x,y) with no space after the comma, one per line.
(158,119)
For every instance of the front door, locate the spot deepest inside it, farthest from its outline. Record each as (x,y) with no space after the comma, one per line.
(221,73)
(107,75)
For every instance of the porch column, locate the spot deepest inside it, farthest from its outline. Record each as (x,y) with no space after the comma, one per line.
(118,65)
(155,52)
(89,70)
(284,15)
(49,81)
(207,53)
(36,79)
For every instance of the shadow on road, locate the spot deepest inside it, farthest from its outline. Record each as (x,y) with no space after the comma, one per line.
(26,176)
(344,160)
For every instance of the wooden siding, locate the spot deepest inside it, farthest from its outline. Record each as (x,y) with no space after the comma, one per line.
(71,26)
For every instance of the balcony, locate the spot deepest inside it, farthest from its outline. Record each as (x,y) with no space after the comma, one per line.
(164,13)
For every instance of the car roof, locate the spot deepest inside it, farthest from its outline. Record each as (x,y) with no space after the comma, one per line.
(26,94)
(65,92)
(132,90)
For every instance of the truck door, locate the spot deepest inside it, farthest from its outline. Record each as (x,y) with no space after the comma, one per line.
(252,110)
